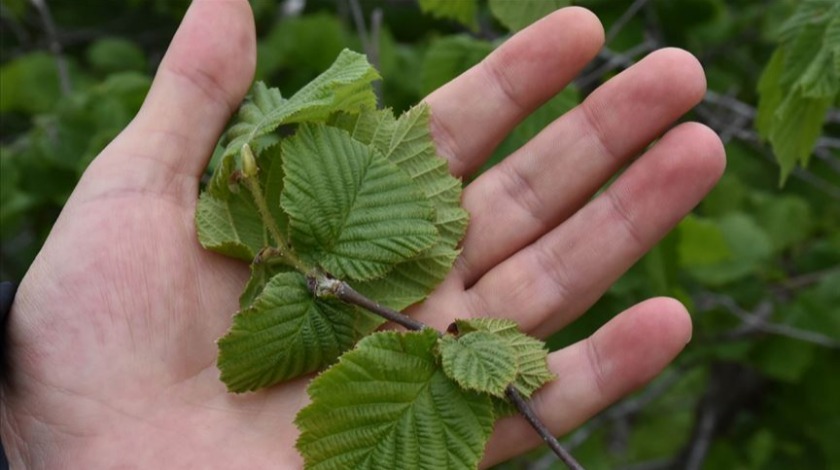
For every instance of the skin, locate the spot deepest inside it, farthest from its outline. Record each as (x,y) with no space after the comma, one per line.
(112,335)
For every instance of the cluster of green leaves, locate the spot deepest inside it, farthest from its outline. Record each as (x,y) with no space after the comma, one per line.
(800,82)
(418,399)
(355,193)
(351,193)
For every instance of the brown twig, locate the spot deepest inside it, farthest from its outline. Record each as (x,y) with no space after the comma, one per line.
(345,293)
(757,322)
(370,42)
(54,45)
(525,409)
(622,21)
(730,387)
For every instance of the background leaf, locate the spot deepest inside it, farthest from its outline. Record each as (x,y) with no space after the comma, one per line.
(748,247)
(517,14)
(114,54)
(463,11)
(30,84)
(387,404)
(796,126)
(800,83)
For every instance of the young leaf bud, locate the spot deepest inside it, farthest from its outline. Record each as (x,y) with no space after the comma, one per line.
(249,163)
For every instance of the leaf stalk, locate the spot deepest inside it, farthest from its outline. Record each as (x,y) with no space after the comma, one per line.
(281,249)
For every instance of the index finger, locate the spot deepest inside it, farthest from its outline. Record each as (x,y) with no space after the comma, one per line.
(472,114)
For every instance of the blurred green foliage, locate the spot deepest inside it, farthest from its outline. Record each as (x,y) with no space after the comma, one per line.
(757,265)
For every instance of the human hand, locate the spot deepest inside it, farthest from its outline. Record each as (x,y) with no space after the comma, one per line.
(112,335)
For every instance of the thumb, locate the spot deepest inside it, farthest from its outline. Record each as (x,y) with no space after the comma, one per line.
(203,76)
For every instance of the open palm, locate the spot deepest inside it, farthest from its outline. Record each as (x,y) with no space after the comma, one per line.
(112,335)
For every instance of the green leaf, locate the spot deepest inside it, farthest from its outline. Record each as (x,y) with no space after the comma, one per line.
(747,241)
(261,274)
(463,11)
(406,143)
(448,57)
(796,127)
(790,120)
(748,245)
(409,282)
(810,61)
(261,113)
(30,84)
(783,358)
(832,39)
(388,405)
(701,243)
(531,353)
(303,44)
(801,53)
(353,211)
(800,83)
(287,333)
(661,266)
(345,86)
(227,227)
(808,12)
(14,202)
(786,219)
(227,219)
(517,14)
(770,93)
(479,361)
(109,55)
(729,195)
(816,307)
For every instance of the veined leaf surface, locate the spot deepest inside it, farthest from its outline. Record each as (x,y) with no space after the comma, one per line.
(479,361)
(355,213)
(287,333)
(406,143)
(531,353)
(800,82)
(227,219)
(388,405)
